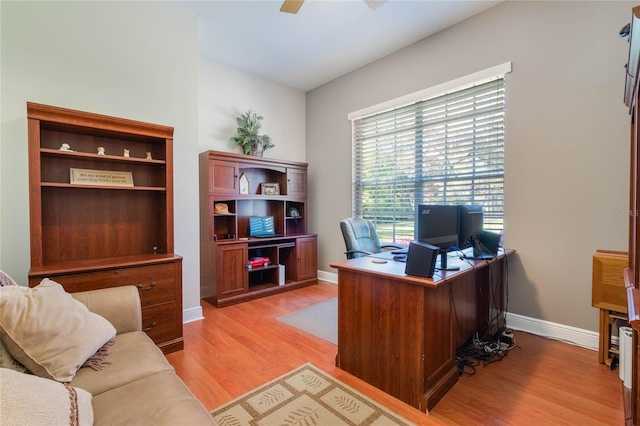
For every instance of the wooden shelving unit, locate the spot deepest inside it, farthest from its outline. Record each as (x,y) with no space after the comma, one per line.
(90,236)
(632,273)
(225,243)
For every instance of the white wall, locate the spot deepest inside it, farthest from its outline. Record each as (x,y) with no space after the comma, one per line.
(567,129)
(0,142)
(567,138)
(136,60)
(225,92)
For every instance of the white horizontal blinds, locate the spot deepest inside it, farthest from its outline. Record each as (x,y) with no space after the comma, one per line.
(444,150)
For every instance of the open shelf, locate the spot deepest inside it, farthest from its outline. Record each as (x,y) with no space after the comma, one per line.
(263,276)
(102,158)
(120,188)
(105,234)
(224,277)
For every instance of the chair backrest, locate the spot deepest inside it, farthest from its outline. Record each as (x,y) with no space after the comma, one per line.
(359,234)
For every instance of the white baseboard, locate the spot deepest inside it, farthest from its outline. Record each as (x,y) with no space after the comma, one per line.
(330,277)
(195,314)
(192,314)
(566,333)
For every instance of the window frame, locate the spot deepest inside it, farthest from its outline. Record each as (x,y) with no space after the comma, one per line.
(448,89)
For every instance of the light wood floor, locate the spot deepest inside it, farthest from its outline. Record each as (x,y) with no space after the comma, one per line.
(541,382)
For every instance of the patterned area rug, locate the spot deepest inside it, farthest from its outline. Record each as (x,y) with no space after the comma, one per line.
(305,396)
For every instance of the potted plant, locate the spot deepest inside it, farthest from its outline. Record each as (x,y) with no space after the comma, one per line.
(248,136)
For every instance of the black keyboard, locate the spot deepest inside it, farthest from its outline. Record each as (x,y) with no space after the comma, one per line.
(402,251)
(267,235)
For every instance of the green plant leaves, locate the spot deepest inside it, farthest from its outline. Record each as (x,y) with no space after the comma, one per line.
(248,132)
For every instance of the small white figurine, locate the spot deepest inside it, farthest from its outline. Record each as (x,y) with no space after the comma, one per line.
(149,155)
(65,147)
(126,152)
(100,150)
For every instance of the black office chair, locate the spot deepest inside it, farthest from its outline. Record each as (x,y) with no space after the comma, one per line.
(361,238)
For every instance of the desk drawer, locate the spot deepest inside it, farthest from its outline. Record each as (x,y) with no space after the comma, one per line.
(159,322)
(156,283)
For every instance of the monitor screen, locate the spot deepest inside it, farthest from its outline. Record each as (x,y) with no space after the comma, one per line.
(471,223)
(261,226)
(438,225)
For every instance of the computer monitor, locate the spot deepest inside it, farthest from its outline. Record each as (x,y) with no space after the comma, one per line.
(487,244)
(472,234)
(471,224)
(438,225)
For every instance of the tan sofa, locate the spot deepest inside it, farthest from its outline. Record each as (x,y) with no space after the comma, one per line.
(137,385)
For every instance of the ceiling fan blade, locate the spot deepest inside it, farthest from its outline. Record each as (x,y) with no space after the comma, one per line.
(374,4)
(291,6)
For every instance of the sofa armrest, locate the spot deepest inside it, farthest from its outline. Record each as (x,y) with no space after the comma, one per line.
(119,305)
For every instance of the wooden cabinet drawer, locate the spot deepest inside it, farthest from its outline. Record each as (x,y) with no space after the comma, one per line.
(159,322)
(156,283)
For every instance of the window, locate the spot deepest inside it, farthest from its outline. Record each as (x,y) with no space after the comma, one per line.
(445,149)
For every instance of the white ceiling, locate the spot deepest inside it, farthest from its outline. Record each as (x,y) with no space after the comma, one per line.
(324,40)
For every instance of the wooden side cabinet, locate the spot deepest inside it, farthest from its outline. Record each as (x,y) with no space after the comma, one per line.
(226,245)
(608,294)
(231,273)
(224,177)
(307,261)
(101,210)
(159,284)
(296,181)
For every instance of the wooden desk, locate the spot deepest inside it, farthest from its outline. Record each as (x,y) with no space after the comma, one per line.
(400,333)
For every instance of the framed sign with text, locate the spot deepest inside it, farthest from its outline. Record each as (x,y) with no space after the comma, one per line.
(100,177)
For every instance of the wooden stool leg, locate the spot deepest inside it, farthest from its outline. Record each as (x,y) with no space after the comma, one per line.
(608,358)
(605,333)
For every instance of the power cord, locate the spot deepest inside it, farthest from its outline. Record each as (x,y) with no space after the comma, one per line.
(485,352)
(469,356)
(465,365)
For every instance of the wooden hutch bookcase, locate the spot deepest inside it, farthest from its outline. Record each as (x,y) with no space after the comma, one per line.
(631,275)
(226,246)
(96,233)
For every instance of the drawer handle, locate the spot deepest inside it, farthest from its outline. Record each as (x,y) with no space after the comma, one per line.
(153,324)
(147,288)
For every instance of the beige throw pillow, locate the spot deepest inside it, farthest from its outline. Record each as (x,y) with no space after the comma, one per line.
(48,331)
(7,361)
(30,400)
